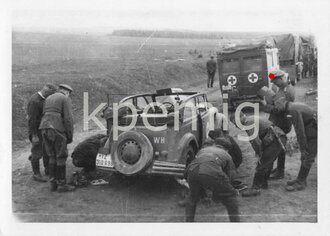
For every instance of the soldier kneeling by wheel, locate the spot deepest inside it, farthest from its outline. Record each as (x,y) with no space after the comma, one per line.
(212,169)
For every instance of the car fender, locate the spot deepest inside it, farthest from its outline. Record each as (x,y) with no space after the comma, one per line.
(183,144)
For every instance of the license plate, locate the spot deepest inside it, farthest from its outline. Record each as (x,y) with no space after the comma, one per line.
(104,160)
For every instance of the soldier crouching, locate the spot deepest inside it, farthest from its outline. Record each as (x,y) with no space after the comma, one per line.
(212,169)
(268,144)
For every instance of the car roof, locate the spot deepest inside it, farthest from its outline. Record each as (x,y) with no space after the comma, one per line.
(161,93)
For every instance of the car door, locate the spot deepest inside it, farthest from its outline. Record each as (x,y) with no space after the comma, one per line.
(202,117)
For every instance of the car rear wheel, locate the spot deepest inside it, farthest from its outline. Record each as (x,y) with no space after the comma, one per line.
(131,153)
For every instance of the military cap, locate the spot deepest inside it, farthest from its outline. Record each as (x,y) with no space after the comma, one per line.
(224,142)
(66,87)
(213,134)
(277,74)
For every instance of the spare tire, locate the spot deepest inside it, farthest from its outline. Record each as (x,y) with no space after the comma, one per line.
(131,153)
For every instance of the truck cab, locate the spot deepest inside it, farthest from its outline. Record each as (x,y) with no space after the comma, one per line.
(243,70)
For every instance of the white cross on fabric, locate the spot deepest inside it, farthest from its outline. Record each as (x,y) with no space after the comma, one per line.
(232,80)
(253,78)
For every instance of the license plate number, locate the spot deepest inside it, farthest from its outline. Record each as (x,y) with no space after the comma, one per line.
(104,160)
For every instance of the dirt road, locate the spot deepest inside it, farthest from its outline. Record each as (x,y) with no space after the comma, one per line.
(154,199)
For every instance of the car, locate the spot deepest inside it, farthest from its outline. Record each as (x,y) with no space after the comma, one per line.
(141,150)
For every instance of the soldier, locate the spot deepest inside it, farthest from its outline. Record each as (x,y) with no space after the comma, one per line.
(212,169)
(57,131)
(268,144)
(34,111)
(299,69)
(211,67)
(305,124)
(279,118)
(234,150)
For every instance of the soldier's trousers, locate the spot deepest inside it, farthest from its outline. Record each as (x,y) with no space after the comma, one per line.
(38,151)
(269,155)
(221,189)
(311,135)
(210,79)
(55,144)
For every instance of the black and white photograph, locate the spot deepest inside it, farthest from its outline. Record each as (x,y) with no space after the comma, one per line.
(173,117)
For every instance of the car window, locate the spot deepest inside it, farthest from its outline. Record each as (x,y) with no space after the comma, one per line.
(201,103)
(141,102)
(252,64)
(189,112)
(230,66)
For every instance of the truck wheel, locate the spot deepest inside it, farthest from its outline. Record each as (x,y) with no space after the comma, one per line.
(131,153)
(189,154)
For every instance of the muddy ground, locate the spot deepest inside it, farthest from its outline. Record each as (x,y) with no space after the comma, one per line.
(154,199)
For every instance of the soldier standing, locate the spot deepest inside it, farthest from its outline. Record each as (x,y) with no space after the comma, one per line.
(34,110)
(305,124)
(57,131)
(212,169)
(299,70)
(279,118)
(268,144)
(211,67)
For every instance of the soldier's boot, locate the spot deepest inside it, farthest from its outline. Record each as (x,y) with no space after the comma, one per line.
(36,172)
(46,165)
(183,202)
(190,211)
(264,184)
(300,183)
(278,173)
(231,205)
(52,177)
(255,189)
(62,186)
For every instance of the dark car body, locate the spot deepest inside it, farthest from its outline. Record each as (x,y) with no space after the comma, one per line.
(165,152)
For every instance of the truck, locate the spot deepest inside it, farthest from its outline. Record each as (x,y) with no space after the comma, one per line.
(243,71)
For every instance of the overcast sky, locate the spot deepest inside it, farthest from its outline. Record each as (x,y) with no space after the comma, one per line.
(233,15)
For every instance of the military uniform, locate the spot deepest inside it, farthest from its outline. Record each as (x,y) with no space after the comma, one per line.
(57,131)
(212,169)
(305,123)
(211,67)
(268,147)
(233,149)
(34,110)
(279,118)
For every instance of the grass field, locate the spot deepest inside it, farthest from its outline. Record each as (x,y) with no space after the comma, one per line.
(100,65)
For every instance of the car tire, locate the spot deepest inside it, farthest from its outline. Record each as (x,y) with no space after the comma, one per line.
(131,153)
(189,154)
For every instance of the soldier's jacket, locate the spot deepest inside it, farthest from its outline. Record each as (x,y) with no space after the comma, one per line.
(213,161)
(287,92)
(211,65)
(58,114)
(279,118)
(234,150)
(303,118)
(34,111)
(265,135)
